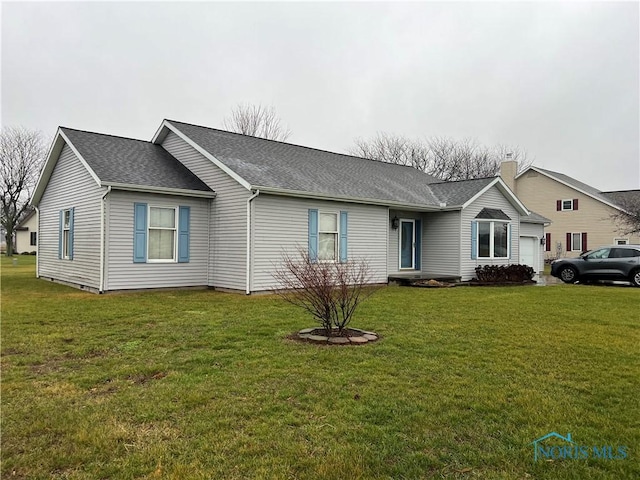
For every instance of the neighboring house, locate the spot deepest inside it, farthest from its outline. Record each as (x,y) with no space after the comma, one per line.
(27,234)
(581,215)
(198,206)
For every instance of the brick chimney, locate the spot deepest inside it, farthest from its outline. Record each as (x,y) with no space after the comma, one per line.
(508,171)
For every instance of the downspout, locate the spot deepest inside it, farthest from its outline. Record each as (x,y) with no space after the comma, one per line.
(102,239)
(38,243)
(248,270)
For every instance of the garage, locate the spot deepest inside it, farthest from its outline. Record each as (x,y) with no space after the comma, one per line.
(529,252)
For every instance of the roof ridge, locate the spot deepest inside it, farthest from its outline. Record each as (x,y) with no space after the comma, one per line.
(446,182)
(107,135)
(299,146)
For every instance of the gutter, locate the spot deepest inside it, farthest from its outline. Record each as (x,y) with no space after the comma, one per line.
(248,269)
(166,191)
(102,237)
(366,201)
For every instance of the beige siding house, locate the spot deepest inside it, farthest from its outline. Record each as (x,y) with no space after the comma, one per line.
(27,234)
(581,215)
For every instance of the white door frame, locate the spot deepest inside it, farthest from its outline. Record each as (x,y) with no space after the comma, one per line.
(413,244)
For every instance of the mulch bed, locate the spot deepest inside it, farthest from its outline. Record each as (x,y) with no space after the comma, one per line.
(476,283)
(432,284)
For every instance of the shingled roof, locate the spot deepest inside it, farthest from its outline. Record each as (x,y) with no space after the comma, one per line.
(278,165)
(624,198)
(125,161)
(267,164)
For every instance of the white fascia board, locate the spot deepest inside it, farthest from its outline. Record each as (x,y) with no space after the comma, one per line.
(162,190)
(573,187)
(161,133)
(506,191)
(365,201)
(52,158)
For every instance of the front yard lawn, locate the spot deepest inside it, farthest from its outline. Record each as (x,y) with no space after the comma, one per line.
(202,384)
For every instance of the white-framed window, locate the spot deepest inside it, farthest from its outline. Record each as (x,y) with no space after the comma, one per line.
(33,238)
(66,234)
(621,241)
(162,234)
(576,242)
(493,239)
(328,235)
(567,205)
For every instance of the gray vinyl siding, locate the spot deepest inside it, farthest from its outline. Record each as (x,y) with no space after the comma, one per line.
(441,244)
(123,274)
(228,225)
(393,252)
(71,186)
(281,224)
(493,198)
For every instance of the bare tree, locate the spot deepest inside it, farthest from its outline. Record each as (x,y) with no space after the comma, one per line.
(329,291)
(627,219)
(22,153)
(397,149)
(257,121)
(442,157)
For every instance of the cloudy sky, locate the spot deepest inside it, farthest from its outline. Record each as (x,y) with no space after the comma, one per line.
(560,80)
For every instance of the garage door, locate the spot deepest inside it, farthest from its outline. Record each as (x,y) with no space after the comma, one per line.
(528,253)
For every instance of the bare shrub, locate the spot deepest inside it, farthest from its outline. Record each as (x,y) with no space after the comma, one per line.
(329,291)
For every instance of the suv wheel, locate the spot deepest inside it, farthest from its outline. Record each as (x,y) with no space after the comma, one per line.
(568,275)
(635,278)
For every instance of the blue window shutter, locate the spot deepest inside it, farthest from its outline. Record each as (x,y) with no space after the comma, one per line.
(474,240)
(60,221)
(418,244)
(343,236)
(183,235)
(313,235)
(139,232)
(71,212)
(510,243)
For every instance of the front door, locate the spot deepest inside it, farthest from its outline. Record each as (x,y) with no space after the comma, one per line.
(407,244)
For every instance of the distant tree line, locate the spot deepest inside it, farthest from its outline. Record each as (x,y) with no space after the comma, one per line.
(443,157)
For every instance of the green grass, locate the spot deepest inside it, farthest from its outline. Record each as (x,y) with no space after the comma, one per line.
(202,384)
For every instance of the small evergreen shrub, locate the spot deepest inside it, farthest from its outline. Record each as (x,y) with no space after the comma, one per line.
(504,273)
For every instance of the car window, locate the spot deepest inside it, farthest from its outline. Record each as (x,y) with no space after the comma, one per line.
(623,253)
(600,253)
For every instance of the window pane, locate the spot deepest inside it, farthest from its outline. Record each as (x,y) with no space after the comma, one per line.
(328,222)
(67,217)
(327,246)
(162,217)
(65,244)
(567,204)
(577,241)
(484,232)
(161,244)
(602,253)
(500,240)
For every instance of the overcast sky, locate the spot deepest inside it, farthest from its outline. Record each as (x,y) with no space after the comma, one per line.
(560,80)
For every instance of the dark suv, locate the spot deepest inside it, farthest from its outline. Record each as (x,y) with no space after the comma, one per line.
(617,262)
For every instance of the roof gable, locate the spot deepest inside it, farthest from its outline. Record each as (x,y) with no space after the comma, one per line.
(573,184)
(122,163)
